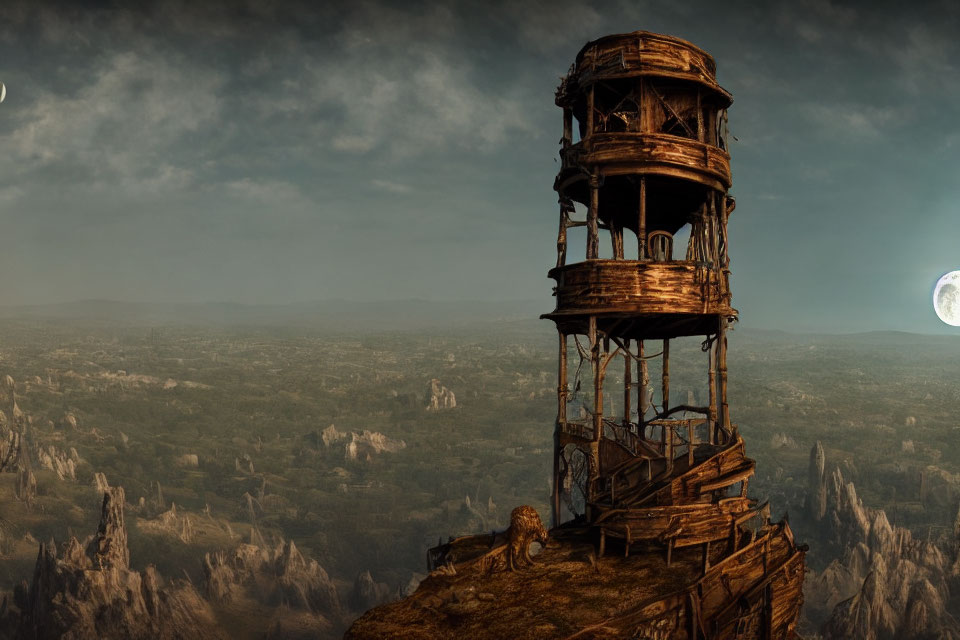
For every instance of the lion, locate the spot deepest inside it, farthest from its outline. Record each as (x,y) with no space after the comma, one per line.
(525,527)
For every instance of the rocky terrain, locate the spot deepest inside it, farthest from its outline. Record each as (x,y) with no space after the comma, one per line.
(265,472)
(883,583)
(88,590)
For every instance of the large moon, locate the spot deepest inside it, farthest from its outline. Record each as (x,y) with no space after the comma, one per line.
(946,298)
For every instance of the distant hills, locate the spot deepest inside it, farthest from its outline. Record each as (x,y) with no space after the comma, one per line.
(345,316)
(330,315)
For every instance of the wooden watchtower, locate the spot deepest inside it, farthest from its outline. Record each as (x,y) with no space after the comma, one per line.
(658,485)
(644,151)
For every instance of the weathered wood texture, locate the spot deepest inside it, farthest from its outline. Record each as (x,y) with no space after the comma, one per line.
(687,524)
(699,560)
(653,158)
(648,154)
(729,601)
(638,54)
(640,287)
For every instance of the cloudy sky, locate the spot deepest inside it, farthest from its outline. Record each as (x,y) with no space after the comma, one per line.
(275,152)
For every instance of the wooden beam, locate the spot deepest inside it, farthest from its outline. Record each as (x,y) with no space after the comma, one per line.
(722,366)
(665,388)
(627,381)
(593,459)
(712,388)
(561,421)
(642,390)
(642,220)
(562,234)
(700,128)
(593,240)
(616,240)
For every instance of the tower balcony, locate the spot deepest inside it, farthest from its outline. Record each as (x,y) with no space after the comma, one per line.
(641,298)
(658,154)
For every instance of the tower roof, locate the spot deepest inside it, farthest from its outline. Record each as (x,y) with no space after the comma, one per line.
(642,53)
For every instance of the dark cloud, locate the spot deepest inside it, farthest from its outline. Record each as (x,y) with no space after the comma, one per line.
(266,152)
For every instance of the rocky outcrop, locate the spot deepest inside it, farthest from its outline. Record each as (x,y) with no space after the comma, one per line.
(278,576)
(170,523)
(440,397)
(100,482)
(187,460)
(365,445)
(58,461)
(26,485)
(816,503)
(360,446)
(884,583)
(367,593)
(89,591)
(780,440)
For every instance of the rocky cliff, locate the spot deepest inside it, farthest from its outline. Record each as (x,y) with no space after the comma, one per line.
(89,591)
(884,583)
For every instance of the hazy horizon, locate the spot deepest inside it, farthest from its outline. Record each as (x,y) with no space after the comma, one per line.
(346,316)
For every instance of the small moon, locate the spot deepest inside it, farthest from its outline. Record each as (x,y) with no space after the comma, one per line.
(946,298)
(3,91)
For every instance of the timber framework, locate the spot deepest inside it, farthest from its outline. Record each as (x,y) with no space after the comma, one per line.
(645,154)
(653,533)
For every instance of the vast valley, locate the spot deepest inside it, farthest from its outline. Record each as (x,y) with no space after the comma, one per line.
(363,448)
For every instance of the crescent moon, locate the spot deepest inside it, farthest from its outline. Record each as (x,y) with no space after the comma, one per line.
(3,91)
(946,298)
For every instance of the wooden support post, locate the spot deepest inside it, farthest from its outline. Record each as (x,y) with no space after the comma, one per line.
(706,556)
(666,376)
(722,233)
(627,382)
(562,235)
(690,445)
(562,381)
(714,230)
(642,220)
(603,542)
(616,240)
(712,388)
(700,128)
(669,447)
(594,457)
(593,229)
(626,545)
(725,246)
(561,424)
(722,366)
(669,552)
(642,392)
(595,368)
(663,438)
(567,127)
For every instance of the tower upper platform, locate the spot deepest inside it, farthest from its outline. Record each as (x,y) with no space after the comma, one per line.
(637,54)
